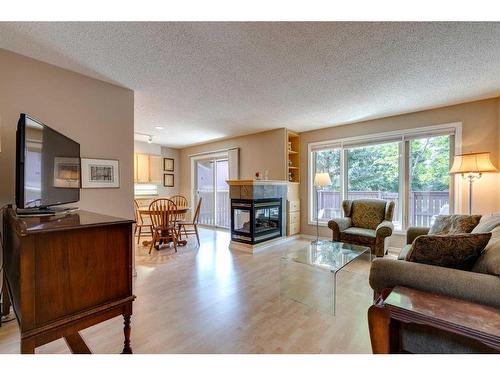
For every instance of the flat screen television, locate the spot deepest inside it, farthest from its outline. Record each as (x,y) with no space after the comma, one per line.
(47,166)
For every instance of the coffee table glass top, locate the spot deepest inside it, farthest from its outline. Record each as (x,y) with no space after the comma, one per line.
(329,255)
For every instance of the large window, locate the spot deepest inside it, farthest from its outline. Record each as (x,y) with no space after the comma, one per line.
(409,169)
(328,199)
(429,179)
(373,172)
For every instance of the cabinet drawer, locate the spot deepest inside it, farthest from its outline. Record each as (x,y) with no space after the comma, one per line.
(293,217)
(293,229)
(293,206)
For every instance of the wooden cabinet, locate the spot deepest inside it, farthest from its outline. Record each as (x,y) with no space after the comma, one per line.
(147,169)
(155,169)
(67,273)
(293,209)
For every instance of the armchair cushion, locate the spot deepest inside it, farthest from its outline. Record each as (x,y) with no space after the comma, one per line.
(360,232)
(368,213)
(458,251)
(453,224)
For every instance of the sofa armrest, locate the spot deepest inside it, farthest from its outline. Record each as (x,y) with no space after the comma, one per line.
(338,225)
(470,286)
(414,232)
(384,229)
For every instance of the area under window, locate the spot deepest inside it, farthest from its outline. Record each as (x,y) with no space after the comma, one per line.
(410,169)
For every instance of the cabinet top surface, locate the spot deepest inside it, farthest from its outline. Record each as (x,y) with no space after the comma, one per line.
(74,220)
(446,309)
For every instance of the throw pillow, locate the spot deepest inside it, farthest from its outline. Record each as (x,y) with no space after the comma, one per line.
(454,224)
(459,251)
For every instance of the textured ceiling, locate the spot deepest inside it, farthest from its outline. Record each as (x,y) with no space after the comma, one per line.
(202,81)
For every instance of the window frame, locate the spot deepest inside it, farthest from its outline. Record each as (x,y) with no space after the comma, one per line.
(453,129)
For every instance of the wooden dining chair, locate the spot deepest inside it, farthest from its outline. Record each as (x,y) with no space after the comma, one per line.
(140,224)
(191,227)
(180,201)
(163,214)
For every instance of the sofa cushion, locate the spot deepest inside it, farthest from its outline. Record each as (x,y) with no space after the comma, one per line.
(489,260)
(404,252)
(454,224)
(367,213)
(487,224)
(458,251)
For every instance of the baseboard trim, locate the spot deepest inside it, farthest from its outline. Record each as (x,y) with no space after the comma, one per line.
(254,249)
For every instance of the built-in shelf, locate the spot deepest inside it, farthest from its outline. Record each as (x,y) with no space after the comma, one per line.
(293,155)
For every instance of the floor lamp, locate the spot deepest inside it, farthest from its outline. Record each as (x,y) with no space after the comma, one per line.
(320,180)
(472,166)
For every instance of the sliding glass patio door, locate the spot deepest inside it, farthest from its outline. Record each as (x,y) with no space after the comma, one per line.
(211,186)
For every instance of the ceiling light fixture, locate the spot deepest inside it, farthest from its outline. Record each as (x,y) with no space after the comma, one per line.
(159,127)
(149,137)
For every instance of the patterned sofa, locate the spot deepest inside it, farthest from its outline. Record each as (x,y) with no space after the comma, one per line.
(366,222)
(481,285)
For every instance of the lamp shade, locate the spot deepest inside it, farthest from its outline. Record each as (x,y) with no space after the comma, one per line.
(478,162)
(322,179)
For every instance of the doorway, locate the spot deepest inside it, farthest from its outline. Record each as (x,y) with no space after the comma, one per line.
(211,174)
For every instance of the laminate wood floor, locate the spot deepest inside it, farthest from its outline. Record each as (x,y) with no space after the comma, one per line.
(213,300)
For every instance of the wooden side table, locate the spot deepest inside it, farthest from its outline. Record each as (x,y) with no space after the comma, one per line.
(404,305)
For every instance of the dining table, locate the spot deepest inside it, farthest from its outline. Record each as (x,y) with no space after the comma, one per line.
(144,211)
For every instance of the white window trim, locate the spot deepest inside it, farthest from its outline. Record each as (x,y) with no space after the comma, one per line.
(397,136)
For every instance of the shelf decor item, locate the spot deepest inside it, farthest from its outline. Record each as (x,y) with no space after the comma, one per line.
(168,180)
(100,173)
(168,164)
(472,166)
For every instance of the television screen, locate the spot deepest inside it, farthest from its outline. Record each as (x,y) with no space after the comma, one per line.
(47,167)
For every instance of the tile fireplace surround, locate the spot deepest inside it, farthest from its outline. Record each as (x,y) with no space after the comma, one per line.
(255,194)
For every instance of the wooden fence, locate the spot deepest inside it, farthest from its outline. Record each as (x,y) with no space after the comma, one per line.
(423,205)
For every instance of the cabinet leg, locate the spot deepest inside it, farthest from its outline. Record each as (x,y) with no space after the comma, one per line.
(28,346)
(380,332)
(126,332)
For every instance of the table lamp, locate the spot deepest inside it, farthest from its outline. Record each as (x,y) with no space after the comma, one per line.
(320,180)
(472,166)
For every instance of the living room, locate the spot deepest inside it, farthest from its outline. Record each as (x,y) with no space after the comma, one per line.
(250,187)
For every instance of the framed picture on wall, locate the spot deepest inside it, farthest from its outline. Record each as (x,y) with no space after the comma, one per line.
(100,173)
(168,164)
(168,180)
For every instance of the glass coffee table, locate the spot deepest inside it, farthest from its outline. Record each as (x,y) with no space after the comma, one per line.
(309,274)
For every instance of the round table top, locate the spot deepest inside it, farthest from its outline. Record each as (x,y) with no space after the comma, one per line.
(180,210)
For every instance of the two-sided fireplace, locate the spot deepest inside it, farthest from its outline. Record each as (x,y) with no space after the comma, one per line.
(255,220)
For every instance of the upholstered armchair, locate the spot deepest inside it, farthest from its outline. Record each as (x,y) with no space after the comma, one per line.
(366,222)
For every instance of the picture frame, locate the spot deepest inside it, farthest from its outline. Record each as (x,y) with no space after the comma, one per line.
(168,180)
(168,164)
(67,172)
(100,173)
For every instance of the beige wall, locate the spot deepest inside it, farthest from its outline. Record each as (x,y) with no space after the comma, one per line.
(98,115)
(258,152)
(480,132)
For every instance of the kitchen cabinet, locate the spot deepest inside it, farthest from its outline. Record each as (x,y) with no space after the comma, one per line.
(147,169)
